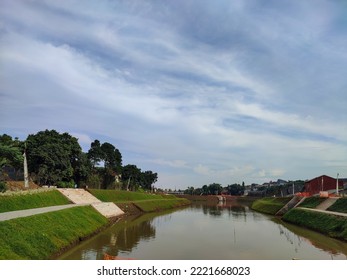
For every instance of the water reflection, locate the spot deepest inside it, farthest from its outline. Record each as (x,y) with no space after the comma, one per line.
(227,230)
(297,235)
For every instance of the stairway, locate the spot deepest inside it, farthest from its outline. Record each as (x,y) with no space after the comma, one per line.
(291,204)
(327,203)
(80,196)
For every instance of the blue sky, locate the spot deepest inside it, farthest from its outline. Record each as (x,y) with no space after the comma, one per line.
(198,91)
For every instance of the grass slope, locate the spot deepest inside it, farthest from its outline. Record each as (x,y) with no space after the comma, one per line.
(339,206)
(160,205)
(330,225)
(41,236)
(270,205)
(31,200)
(144,201)
(125,196)
(312,202)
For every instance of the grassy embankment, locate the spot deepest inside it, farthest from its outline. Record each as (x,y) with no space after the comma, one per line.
(143,201)
(339,206)
(270,205)
(31,199)
(312,202)
(45,235)
(333,226)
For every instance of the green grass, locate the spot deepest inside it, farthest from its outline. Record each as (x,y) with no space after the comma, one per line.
(160,205)
(270,205)
(312,202)
(41,236)
(125,196)
(339,206)
(333,226)
(144,201)
(31,200)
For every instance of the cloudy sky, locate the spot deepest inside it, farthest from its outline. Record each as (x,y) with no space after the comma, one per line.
(198,91)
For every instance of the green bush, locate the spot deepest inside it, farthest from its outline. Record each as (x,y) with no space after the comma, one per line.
(63,184)
(3,187)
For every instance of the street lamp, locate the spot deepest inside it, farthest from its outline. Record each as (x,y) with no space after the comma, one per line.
(337,184)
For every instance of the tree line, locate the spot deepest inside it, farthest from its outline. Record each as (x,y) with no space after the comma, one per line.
(217,189)
(57,159)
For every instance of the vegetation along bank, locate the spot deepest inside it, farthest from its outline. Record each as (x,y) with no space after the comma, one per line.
(304,215)
(138,202)
(45,236)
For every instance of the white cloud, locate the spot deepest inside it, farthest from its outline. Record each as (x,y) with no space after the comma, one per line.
(244,102)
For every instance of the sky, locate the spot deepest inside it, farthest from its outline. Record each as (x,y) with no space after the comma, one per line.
(201,92)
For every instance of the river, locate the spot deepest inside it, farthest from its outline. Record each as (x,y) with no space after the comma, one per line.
(208,231)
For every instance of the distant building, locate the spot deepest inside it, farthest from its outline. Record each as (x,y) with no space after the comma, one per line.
(321,183)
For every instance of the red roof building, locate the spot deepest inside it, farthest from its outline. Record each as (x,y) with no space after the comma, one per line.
(321,183)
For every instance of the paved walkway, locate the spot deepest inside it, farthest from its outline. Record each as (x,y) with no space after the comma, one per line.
(30,212)
(325,212)
(78,197)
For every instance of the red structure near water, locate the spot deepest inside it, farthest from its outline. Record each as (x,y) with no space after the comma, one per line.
(321,183)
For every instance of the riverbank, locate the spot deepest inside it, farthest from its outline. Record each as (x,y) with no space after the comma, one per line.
(137,202)
(331,223)
(45,236)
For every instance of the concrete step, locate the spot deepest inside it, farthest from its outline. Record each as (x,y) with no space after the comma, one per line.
(108,209)
(291,204)
(327,203)
(79,196)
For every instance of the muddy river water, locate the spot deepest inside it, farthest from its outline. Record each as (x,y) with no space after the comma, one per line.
(208,231)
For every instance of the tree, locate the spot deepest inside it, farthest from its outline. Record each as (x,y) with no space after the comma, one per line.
(11,153)
(52,156)
(10,156)
(112,157)
(148,178)
(112,163)
(82,169)
(131,176)
(95,154)
(236,189)
(215,188)
(189,190)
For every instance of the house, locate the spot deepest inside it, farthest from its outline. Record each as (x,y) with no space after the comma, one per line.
(321,183)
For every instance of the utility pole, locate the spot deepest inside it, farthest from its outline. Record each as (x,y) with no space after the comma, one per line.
(337,184)
(26,175)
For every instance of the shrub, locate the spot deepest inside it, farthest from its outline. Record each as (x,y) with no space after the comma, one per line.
(3,187)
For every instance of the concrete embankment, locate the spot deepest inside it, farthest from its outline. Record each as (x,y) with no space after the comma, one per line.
(82,197)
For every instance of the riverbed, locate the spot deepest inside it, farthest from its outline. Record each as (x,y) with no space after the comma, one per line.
(227,230)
